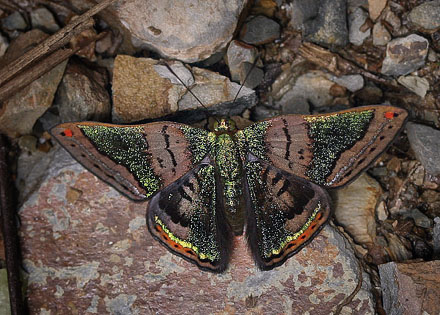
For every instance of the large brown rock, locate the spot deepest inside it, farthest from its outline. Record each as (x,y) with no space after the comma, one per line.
(87,249)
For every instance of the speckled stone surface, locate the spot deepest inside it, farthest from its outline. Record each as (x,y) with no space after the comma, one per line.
(87,251)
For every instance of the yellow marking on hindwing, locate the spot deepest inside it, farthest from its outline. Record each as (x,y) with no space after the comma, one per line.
(183,243)
(295,236)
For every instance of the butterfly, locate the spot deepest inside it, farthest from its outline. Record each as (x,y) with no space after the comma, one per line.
(204,187)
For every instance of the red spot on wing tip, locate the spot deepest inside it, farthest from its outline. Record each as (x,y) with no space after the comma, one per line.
(68,133)
(390,115)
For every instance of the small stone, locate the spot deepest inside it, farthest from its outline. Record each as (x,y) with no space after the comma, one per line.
(432,55)
(4,292)
(239,52)
(355,21)
(419,218)
(3,45)
(426,16)
(190,31)
(381,36)
(253,78)
(301,11)
(14,21)
(353,82)
(394,165)
(355,209)
(328,27)
(353,4)
(375,8)
(425,142)
(263,112)
(370,94)
(82,94)
(415,84)
(405,55)
(28,143)
(410,288)
(312,88)
(436,237)
(43,19)
(381,211)
(394,21)
(260,30)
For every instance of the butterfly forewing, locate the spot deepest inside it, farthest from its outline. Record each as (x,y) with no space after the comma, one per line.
(137,160)
(331,149)
(285,212)
(188,218)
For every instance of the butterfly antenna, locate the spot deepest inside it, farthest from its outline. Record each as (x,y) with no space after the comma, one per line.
(187,88)
(247,76)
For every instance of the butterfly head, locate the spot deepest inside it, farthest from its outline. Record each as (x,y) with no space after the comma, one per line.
(224,125)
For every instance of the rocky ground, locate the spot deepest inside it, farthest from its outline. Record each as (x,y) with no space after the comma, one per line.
(85,249)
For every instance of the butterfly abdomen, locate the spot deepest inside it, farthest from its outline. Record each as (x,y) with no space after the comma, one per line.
(230,173)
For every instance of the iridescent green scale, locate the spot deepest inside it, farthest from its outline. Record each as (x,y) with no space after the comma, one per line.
(205,187)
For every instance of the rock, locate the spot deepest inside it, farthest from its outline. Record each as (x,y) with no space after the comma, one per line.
(426,16)
(375,8)
(14,21)
(301,11)
(436,238)
(189,31)
(27,105)
(4,293)
(410,288)
(381,36)
(143,89)
(393,20)
(239,52)
(405,55)
(28,143)
(432,55)
(3,45)
(355,21)
(253,75)
(415,84)
(425,142)
(355,209)
(43,19)
(370,94)
(353,4)
(260,30)
(312,88)
(353,82)
(381,211)
(82,94)
(329,26)
(99,242)
(419,218)
(262,112)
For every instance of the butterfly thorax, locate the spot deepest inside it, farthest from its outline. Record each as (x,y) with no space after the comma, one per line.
(229,169)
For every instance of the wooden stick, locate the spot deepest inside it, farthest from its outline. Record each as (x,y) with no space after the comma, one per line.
(36,70)
(336,64)
(9,227)
(52,43)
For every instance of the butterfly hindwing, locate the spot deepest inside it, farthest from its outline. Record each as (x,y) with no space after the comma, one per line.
(285,212)
(138,160)
(188,218)
(330,149)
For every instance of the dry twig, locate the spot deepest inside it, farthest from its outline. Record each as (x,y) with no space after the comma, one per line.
(10,80)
